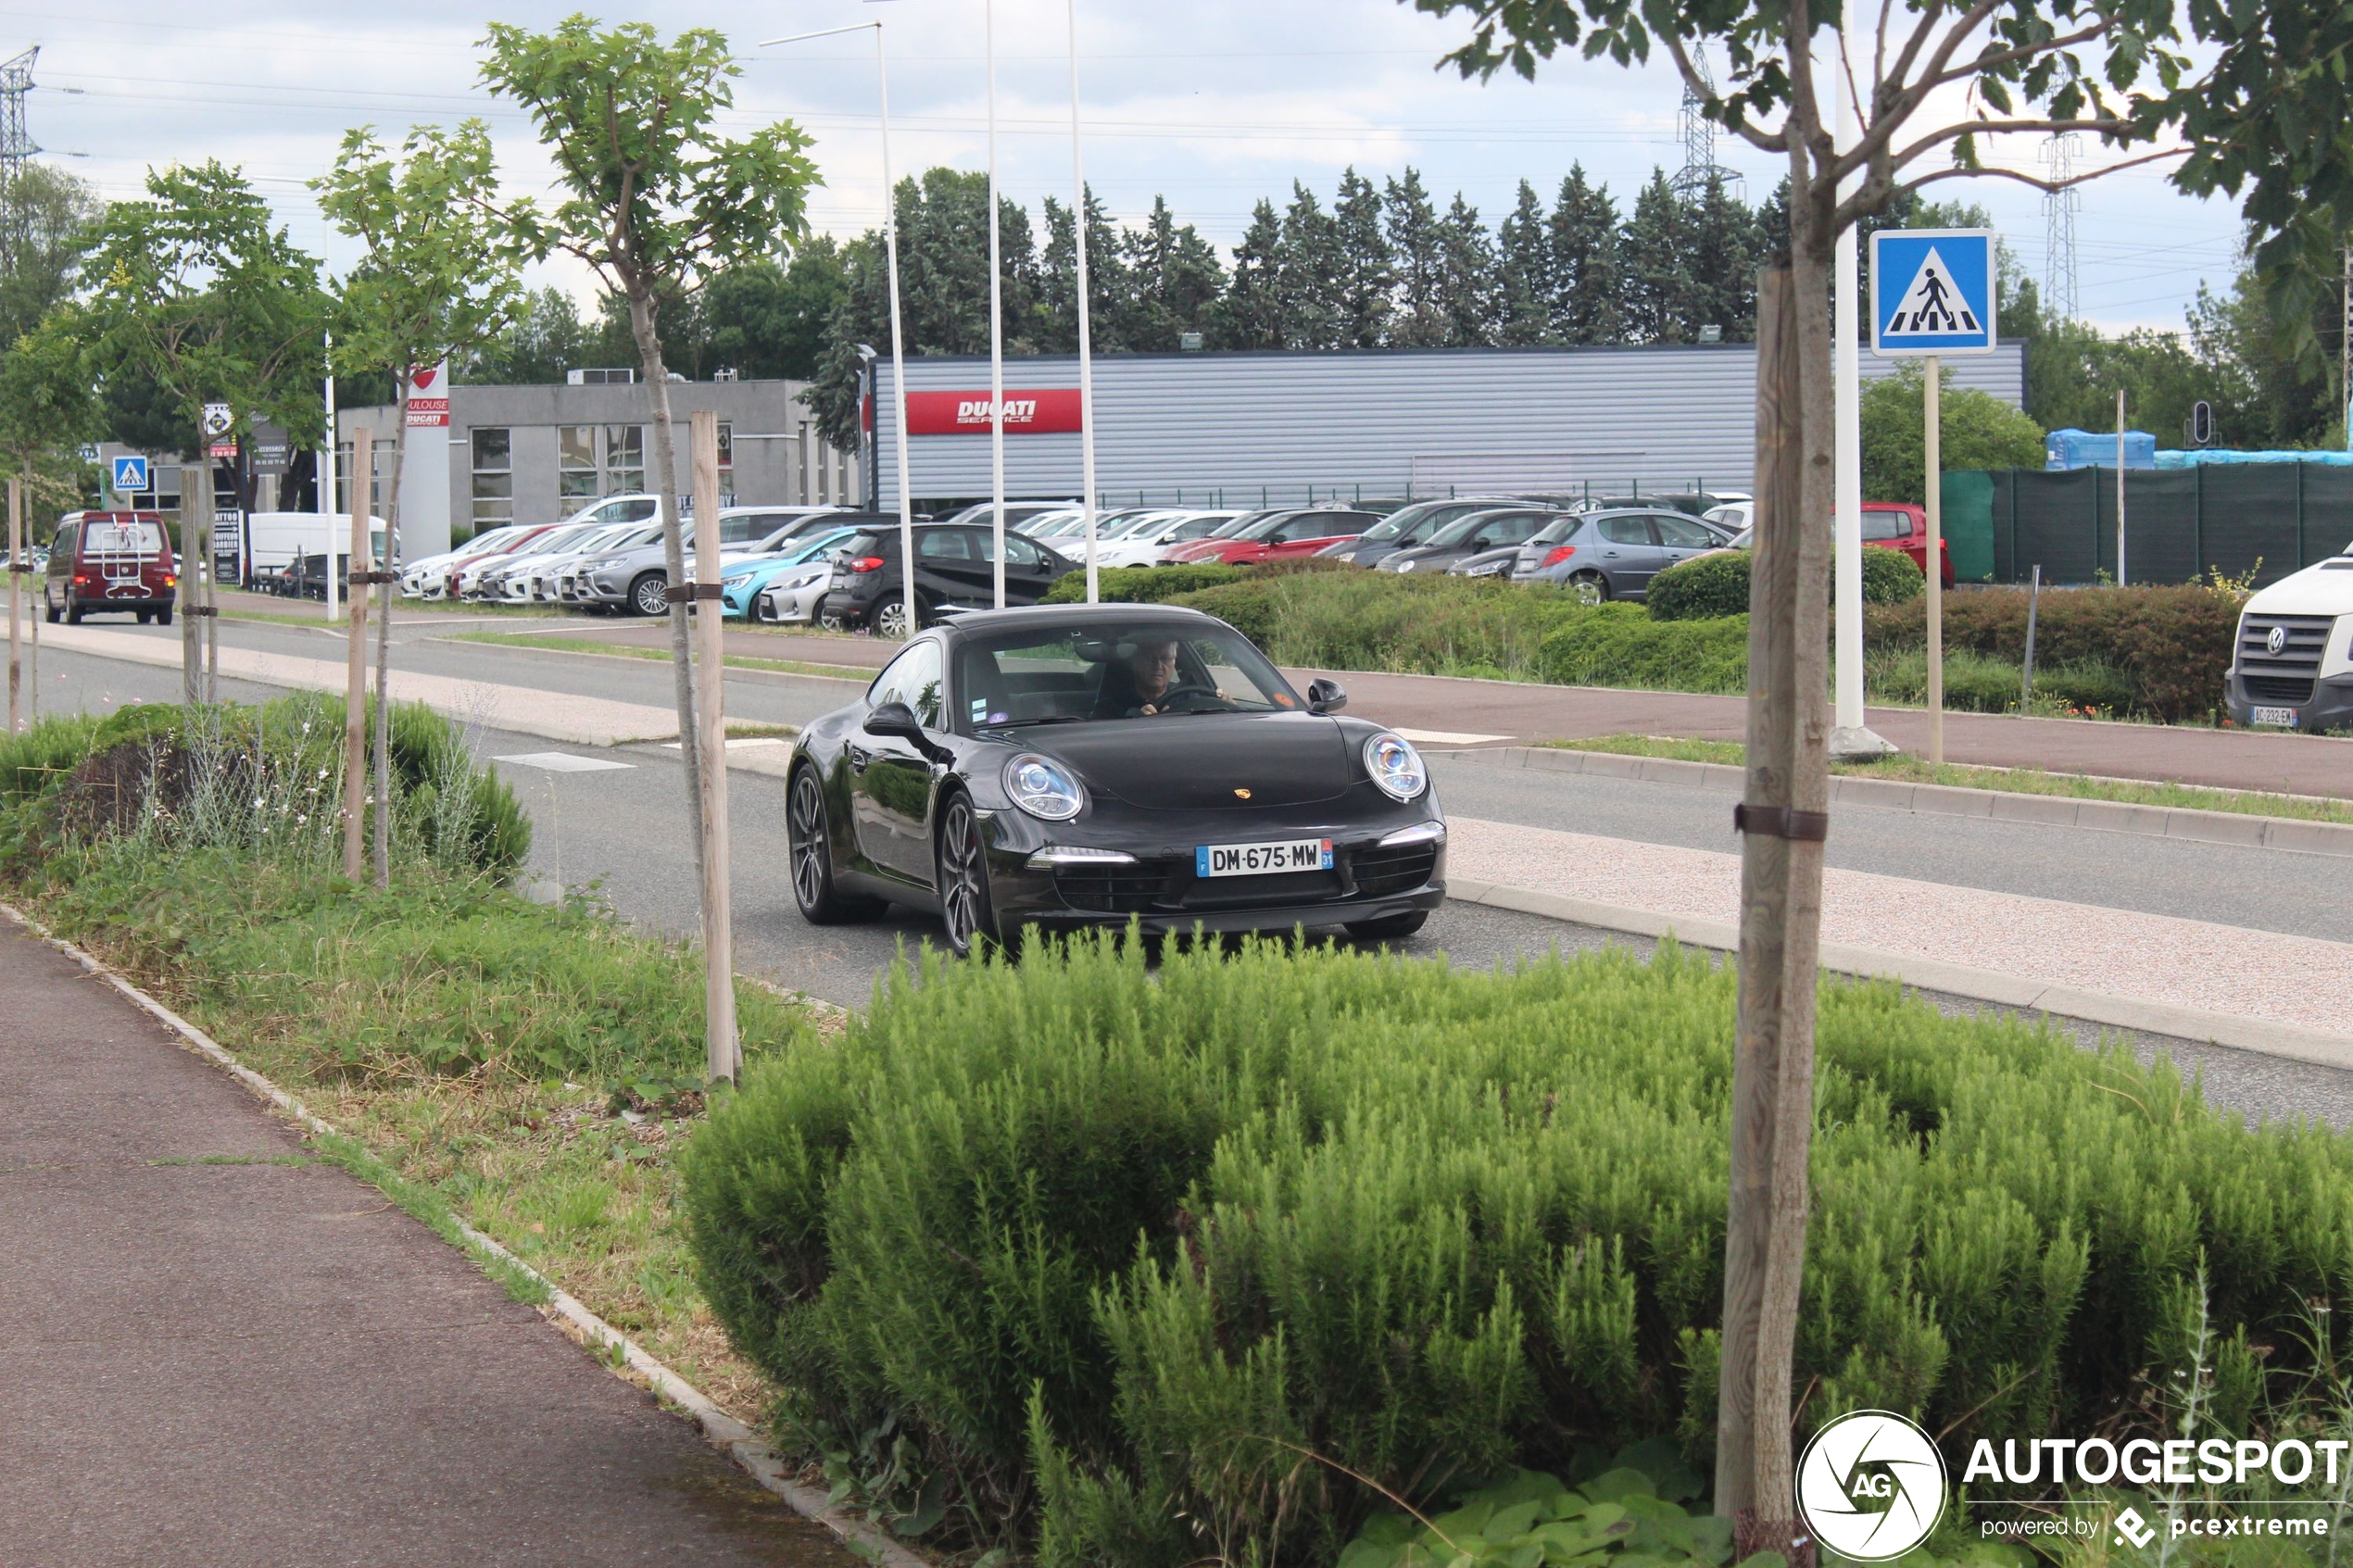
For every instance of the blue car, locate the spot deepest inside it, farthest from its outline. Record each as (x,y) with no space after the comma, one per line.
(741,583)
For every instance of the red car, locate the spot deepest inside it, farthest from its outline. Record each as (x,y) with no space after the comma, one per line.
(103,563)
(1278,535)
(1899,525)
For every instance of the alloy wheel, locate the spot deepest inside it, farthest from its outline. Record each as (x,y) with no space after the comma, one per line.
(653,596)
(1589,588)
(805,819)
(962,880)
(890,620)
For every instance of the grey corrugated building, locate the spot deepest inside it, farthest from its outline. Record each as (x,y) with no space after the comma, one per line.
(1381,422)
(538,454)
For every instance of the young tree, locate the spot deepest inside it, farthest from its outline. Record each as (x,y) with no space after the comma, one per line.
(1975,428)
(438,279)
(1368,270)
(1524,275)
(1585,243)
(654,200)
(1466,283)
(1420,320)
(48,221)
(2271,112)
(49,407)
(201,296)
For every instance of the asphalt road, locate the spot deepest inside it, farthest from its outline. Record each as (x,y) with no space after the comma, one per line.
(621,835)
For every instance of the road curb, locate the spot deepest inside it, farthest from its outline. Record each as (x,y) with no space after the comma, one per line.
(2238,829)
(723,1431)
(2294,1041)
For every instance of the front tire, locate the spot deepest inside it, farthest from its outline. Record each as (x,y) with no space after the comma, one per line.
(1390,928)
(809,850)
(962,866)
(890,619)
(1591,587)
(650,595)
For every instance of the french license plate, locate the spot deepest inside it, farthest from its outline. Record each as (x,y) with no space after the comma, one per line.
(1257,859)
(2283,718)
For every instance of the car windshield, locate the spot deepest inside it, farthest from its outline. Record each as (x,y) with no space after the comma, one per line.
(1233,527)
(810,549)
(108,538)
(1459,532)
(1106,671)
(1410,523)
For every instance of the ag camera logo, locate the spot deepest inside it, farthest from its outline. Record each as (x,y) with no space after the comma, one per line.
(1871,1486)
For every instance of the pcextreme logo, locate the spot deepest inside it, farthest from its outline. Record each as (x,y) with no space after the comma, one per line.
(1871,1486)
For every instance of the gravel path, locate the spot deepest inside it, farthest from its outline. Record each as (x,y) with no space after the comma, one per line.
(2159,958)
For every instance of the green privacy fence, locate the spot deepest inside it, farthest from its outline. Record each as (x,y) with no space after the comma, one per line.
(2271,519)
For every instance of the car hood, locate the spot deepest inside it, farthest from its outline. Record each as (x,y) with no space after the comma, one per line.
(1194,761)
(1423,556)
(2325,589)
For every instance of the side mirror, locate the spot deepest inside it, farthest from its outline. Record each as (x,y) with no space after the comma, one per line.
(894,720)
(1325,695)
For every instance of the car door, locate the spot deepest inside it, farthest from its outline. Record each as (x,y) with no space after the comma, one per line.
(1030,569)
(1629,552)
(1894,527)
(890,781)
(62,553)
(1679,538)
(951,567)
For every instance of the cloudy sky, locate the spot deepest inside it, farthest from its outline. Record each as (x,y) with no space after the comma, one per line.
(1211,103)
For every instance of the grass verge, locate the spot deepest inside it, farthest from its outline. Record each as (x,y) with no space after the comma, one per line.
(2015,780)
(627,650)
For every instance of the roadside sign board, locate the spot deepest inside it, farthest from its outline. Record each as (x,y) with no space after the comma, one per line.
(130,475)
(1932,291)
(216,418)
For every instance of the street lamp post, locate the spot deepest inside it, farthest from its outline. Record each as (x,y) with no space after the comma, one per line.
(1086,346)
(897,333)
(996,320)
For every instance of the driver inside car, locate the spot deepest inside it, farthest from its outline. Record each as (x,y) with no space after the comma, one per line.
(1143,682)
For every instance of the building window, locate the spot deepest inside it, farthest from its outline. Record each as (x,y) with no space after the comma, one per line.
(624,459)
(494,478)
(576,477)
(379,457)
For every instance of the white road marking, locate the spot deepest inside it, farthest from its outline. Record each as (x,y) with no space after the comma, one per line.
(563,762)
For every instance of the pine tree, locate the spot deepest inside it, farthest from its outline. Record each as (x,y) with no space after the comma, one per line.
(1250,316)
(1659,289)
(1723,262)
(1467,281)
(1310,260)
(1111,292)
(1586,244)
(1173,280)
(1368,274)
(1414,239)
(1524,275)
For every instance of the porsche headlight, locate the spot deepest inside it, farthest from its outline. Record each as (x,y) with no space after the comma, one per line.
(1395,766)
(1043,787)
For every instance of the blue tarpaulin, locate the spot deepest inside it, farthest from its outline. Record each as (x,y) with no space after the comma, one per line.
(2209,457)
(2096,449)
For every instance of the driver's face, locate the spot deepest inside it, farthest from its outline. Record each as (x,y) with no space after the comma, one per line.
(1154,667)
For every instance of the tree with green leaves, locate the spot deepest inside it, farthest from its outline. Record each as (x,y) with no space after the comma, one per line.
(1524,274)
(1587,308)
(1466,281)
(437,279)
(1654,267)
(1976,430)
(1368,271)
(1420,319)
(48,221)
(545,338)
(200,294)
(49,406)
(1312,256)
(1723,261)
(654,200)
(2252,96)
(1250,316)
(1169,281)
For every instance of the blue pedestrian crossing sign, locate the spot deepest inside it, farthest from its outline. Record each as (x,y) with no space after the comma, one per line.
(130,475)
(1932,291)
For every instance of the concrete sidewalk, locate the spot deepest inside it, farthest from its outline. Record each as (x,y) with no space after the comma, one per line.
(1517,712)
(225,1351)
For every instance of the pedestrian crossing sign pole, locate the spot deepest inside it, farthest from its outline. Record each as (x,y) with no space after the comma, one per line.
(1933,294)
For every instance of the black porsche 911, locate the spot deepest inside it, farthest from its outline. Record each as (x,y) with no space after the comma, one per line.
(1076,765)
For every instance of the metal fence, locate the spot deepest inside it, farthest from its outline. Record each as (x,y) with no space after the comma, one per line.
(2270,519)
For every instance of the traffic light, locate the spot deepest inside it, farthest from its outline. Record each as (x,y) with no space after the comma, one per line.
(2201,423)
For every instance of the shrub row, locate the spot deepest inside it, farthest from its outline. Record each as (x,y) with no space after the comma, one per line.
(1130,1265)
(1359,620)
(1718,584)
(1141,584)
(2172,644)
(1621,645)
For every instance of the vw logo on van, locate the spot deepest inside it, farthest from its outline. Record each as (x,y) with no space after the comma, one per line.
(2276,644)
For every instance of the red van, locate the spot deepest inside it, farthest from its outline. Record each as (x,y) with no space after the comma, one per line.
(104,563)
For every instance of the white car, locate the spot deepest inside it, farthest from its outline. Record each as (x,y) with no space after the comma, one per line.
(2292,667)
(1153,537)
(423,579)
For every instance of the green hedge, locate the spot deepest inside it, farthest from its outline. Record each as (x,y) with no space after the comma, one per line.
(1619,645)
(1718,584)
(1141,584)
(1357,619)
(1096,1255)
(2172,644)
